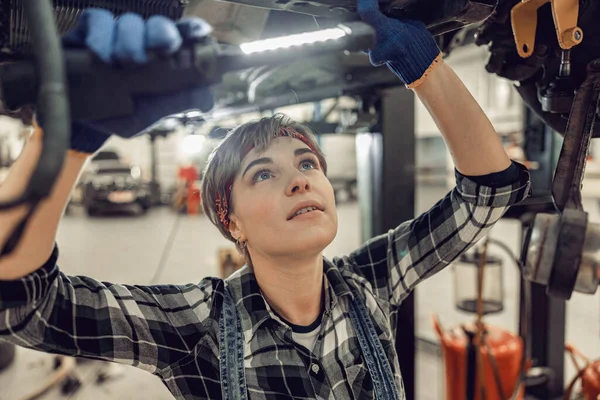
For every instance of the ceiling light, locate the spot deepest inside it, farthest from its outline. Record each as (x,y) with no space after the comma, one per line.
(294,40)
(192,144)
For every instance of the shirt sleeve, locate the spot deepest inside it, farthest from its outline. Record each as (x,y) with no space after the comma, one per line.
(497,179)
(149,327)
(395,262)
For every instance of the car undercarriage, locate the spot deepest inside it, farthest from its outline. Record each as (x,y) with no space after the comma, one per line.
(454,22)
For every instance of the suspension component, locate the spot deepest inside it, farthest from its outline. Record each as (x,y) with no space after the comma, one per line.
(524,23)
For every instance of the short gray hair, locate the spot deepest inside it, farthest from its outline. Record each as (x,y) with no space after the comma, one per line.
(225,160)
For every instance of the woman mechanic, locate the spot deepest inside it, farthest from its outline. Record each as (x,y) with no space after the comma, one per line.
(290,324)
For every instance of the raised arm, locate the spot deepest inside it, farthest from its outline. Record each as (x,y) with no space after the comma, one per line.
(38,239)
(487,181)
(396,262)
(469,135)
(124,41)
(409,50)
(149,327)
(44,309)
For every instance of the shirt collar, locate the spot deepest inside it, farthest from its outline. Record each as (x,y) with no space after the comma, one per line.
(252,307)
(336,280)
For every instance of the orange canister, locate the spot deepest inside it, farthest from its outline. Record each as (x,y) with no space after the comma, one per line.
(590,381)
(588,374)
(506,349)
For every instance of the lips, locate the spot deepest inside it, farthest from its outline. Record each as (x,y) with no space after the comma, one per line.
(305,207)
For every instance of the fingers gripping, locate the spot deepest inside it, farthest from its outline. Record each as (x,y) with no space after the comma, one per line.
(128,38)
(94,30)
(130,33)
(162,35)
(192,28)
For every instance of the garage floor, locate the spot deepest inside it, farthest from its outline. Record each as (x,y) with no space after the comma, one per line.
(127,249)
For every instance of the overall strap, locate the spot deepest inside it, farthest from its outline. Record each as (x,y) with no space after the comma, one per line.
(231,339)
(372,351)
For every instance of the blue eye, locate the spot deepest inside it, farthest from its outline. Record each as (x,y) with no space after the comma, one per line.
(261,176)
(308,164)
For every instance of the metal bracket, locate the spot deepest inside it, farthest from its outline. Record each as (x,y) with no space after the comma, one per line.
(568,180)
(568,253)
(557,245)
(568,177)
(524,24)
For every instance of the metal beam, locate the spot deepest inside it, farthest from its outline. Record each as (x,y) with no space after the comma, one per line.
(548,314)
(386,182)
(354,81)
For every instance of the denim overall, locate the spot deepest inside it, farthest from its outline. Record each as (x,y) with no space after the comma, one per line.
(233,380)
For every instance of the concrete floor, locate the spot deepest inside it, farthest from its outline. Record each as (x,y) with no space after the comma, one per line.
(127,249)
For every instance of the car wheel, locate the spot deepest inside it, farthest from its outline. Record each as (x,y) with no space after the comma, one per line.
(143,208)
(91,211)
(7,354)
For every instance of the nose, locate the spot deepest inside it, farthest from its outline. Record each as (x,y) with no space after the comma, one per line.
(299,183)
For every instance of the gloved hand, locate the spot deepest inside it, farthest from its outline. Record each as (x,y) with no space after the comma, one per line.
(406,47)
(125,41)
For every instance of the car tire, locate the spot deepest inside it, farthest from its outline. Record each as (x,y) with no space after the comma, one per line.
(7,354)
(91,211)
(143,208)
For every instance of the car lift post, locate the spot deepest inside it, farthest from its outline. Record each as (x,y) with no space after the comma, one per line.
(548,316)
(386,187)
(154,185)
(546,330)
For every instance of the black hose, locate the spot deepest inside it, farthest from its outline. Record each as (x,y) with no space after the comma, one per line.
(52,103)
(166,251)
(525,303)
(471,354)
(52,112)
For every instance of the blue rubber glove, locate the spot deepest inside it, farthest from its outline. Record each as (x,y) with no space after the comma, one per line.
(126,40)
(406,47)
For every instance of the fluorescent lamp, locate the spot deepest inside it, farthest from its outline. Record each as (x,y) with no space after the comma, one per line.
(192,144)
(136,172)
(294,40)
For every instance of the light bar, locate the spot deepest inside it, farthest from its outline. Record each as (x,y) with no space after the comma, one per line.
(294,40)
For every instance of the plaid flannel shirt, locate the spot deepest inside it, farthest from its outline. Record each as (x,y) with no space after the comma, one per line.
(172,331)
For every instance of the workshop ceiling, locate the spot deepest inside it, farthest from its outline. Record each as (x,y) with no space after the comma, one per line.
(485,22)
(311,79)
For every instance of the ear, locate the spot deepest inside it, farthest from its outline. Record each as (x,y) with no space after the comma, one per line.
(235,228)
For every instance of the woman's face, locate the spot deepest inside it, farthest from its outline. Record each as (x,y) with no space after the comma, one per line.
(272,195)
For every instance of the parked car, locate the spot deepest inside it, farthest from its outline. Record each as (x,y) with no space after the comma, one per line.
(112,185)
